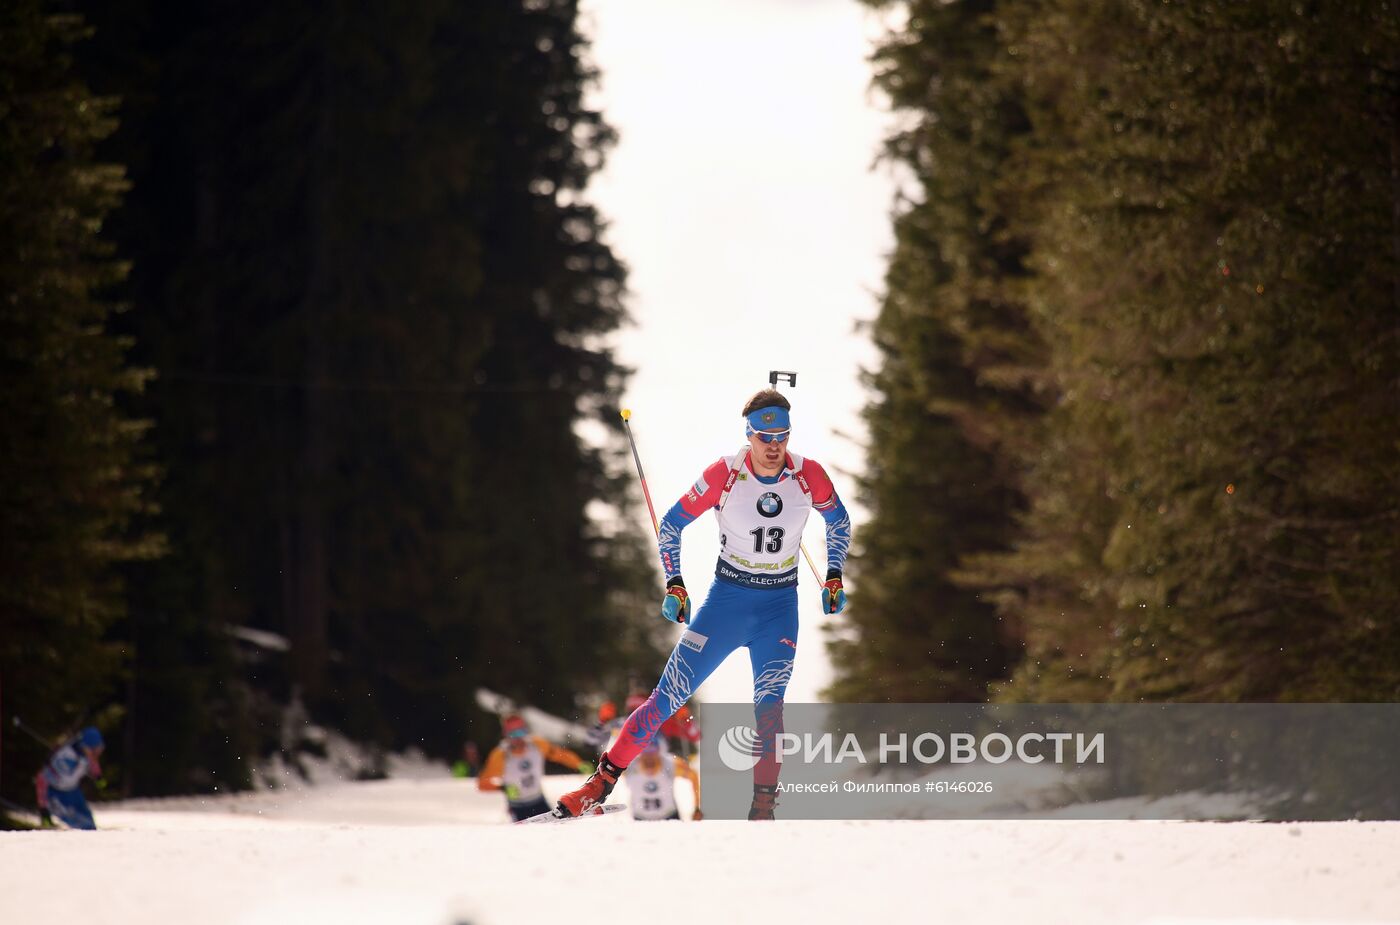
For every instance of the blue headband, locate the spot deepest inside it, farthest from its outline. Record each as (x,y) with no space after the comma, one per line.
(771,418)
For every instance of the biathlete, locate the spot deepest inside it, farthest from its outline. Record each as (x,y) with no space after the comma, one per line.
(761,497)
(685,727)
(57,788)
(517,765)
(601,734)
(652,782)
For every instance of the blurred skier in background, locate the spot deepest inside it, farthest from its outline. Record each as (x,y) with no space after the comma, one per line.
(516,767)
(57,788)
(652,782)
(761,497)
(609,724)
(469,763)
(684,727)
(601,730)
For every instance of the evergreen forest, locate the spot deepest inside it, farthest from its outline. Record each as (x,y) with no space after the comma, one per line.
(1135,434)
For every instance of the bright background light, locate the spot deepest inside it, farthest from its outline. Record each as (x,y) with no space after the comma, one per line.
(742,198)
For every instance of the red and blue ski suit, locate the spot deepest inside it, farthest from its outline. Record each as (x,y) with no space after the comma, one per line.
(753,600)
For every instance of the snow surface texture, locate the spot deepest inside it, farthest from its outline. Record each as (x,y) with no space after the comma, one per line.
(436,851)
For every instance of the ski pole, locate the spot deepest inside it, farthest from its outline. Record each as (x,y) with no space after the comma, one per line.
(636,457)
(808,556)
(627,423)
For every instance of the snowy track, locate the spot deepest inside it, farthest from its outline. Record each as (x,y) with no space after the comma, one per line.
(436,852)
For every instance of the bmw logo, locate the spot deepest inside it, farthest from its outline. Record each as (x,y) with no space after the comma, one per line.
(770,505)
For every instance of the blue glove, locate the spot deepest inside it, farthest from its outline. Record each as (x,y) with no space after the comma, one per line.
(833,595)
(675,606)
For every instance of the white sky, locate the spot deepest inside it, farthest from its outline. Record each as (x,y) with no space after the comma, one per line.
(742,199)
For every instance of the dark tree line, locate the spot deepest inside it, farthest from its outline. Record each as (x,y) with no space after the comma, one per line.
(1137,433)
(370,292)
(74,479)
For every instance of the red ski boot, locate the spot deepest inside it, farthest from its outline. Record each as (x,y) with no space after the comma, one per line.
(764,799)
(594,791)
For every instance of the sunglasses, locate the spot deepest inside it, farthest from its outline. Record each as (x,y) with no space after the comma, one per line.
(773,438)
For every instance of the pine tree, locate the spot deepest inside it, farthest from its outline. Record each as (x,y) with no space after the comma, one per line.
(74,474)
(366,270)
(1213,202)
(959,389)
(1204,303)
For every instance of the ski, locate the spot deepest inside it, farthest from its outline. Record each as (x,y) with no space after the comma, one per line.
(549,817)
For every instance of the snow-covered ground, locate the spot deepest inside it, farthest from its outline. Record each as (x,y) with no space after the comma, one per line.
(433,850)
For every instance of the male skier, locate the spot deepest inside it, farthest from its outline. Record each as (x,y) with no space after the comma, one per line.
(517,765)
(600,735)
(56,787)
(761,497)
(683,726)
(652,781)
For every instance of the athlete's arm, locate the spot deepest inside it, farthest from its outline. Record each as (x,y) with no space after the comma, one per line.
(828,504)
(558,754)
(683,769)
(493,770)
(702,496)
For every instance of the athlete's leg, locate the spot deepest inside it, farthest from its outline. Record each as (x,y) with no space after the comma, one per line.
(717,629)
(772,649)
(41,796)
(520,811)
(70,807)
